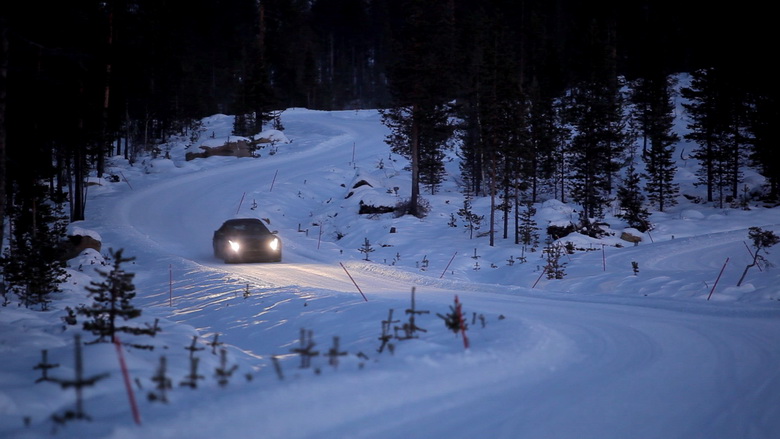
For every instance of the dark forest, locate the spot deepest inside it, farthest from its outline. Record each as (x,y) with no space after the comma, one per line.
(86,80)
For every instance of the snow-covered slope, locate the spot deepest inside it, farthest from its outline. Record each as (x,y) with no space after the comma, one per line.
(603,353)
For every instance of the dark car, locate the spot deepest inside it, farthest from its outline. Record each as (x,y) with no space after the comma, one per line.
(246,240)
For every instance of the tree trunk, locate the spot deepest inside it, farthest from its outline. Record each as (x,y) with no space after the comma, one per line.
(3,78)
(492,199)
(105,143)
(415,146)
(744,273)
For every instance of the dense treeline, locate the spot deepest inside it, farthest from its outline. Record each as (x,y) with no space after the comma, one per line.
(538,88)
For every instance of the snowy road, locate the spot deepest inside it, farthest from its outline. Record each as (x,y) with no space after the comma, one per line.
(546,365)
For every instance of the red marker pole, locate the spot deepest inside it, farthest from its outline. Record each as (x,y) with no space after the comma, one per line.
(353,281)
(273,181)
(539,278)
(462,322)
(448,265)
(126,375)
(716,280)
(240,202)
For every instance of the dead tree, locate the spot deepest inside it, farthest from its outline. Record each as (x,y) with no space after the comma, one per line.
(762,239)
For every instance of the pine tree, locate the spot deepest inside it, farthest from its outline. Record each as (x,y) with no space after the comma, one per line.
(421,85)
(657,125)
(600,122)
(111,301)
(555,268)
(548,137)
(587,158)
(472,220)
(766,137)
(33,264)
(714,126)
(366,248)
(631,200)
(528,232)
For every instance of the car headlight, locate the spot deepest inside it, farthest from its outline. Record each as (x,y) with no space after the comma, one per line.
(274,244)
(234,246)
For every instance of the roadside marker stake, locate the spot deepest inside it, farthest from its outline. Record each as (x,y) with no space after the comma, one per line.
(716,280)
(126,376)
(353,281)
(273,181)
(448,265)
(539,278)
(240,202)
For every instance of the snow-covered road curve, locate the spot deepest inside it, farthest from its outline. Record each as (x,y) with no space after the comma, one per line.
(557,366)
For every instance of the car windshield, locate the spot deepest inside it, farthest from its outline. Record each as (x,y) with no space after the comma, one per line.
(248,227)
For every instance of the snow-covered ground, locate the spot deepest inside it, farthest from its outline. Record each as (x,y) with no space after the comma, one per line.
(603,353)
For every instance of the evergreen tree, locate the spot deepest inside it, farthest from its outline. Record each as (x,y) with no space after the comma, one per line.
(420,84)
(111,301)
(631,200)
(766,137)
(554,251)
(548,136)
(713,128)
(653,98)
(33,264)
(472,220)
(432,131)
(587,158)
(528,232)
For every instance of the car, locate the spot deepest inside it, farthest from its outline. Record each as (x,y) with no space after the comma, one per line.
(246,240)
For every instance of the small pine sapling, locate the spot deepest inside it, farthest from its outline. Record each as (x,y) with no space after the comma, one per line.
(334,353)
(635,267)
(527,230)
(192,348)
(472,220)
(306,349)
(423,265)
(44,366)
(366,249)
(162,381)
(762,239)
(191,380)
(215,343)
(555,267)
(386,337)
(79,383)
(410,328)
(481,318)
(111,301)
(455,322)
(223,372)
(453,221)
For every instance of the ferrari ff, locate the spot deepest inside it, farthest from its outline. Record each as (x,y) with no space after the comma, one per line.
(246,240)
